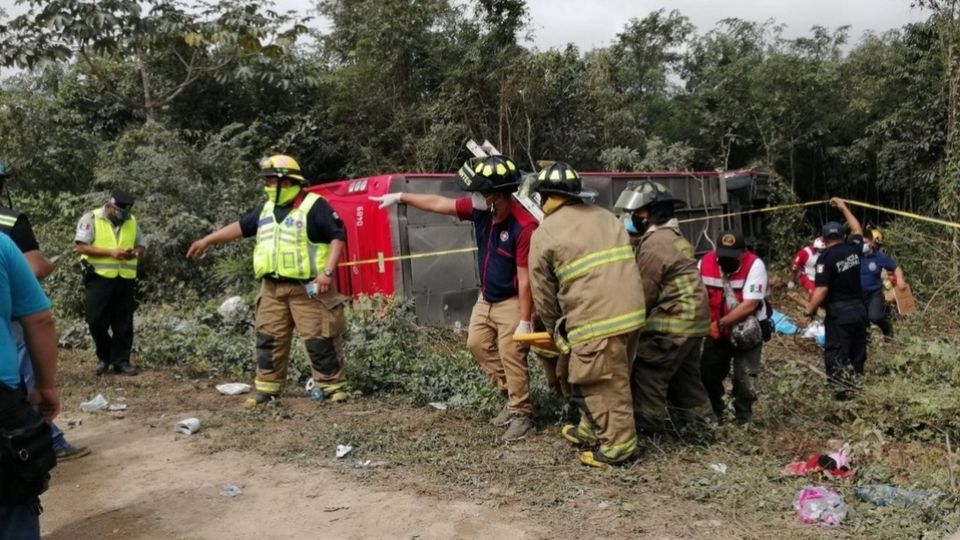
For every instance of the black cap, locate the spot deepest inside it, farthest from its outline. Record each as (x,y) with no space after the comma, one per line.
(832,230)
(122,198)
(730,244)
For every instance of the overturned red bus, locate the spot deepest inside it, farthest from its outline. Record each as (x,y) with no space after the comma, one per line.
(430,259)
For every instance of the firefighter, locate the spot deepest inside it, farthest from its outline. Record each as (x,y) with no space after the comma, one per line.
(736,281)
(299,241)
(667,365)
(839,289)
(110,243)
(587,290)
(504,307)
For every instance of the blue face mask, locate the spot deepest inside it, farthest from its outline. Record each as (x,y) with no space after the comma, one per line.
(628,224)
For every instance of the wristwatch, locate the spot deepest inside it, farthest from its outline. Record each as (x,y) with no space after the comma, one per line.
(327,272)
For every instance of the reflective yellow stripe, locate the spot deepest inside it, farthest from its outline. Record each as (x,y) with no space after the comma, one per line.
(577,267)
(546,353)
(619,452)
(666,325)
(607,327)
(267,387)
(9,221)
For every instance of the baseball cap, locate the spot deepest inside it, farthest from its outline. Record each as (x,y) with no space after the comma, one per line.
(832,230)
(122,198)
(730,244)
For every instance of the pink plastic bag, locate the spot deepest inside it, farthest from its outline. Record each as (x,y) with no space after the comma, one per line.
(817,504)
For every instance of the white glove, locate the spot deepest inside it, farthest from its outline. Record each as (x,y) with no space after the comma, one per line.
(387,200)
(525,327)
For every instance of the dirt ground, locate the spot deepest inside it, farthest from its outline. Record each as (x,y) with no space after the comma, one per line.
(143,480)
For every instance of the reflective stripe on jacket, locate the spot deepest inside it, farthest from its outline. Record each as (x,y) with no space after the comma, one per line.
(283,249)
(676,298)
(585,282)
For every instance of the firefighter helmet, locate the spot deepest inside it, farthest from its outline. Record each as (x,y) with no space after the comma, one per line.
(646,193)
(491,174)
(559,178)
(876,234)
(281,166)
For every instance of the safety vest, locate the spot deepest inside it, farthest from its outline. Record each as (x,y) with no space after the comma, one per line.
(8,218)
(713,279)
(283,249)
(104,237)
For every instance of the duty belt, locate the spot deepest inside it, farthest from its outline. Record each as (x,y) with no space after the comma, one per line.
(281,279)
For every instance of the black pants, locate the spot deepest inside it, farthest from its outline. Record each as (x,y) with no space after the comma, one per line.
(110,304)
(845,349)
(876,306)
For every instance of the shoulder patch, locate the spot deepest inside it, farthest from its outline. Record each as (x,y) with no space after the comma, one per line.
(820,268)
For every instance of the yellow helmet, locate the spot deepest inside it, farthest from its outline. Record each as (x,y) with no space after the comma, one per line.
(281,166)
(876,234)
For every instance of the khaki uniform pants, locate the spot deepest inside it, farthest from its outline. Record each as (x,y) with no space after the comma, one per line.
(600,385)
(666,375)
(490,340)
(283,306)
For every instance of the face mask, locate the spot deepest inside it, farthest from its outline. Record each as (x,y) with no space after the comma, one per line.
(286,194)
(728,265)
(479,202)
(121,214)
(867,249)
(628,224)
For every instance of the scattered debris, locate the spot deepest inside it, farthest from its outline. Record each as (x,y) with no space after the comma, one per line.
(887,495)
(817,504)
(74,422)
(117,407)
(188,426)
(96,404)
(343,450)
(708,523)
(837,464)
(369,464)
(360,413)
(438,405)
(604,505)
(719,467)
(233,389)
(230,491)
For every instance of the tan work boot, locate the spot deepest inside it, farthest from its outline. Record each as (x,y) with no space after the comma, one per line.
(502,418)
(520,427)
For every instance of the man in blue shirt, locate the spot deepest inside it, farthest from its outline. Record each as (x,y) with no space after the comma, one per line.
(873,263)
(22,300)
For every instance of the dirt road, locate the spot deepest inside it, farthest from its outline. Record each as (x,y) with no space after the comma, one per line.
(147,482)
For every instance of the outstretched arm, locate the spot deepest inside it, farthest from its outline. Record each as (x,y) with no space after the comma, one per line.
(223,235)
(851,220)
(438,204)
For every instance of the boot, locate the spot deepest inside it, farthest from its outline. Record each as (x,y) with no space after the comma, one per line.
(126,369)
(520,427)
(101,368)
(502,418)
(259,399)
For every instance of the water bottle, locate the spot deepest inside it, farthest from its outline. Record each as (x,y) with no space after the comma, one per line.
(887,495)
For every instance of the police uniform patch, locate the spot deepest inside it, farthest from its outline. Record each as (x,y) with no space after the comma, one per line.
(872,266)
(820,268)
(504,236)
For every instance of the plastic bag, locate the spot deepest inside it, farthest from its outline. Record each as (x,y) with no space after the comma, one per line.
(817,504)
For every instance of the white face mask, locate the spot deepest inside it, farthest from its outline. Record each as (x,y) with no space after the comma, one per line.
(479,202)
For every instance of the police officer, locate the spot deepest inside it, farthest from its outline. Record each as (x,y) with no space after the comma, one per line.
(299,241)
(110,243)
(504,307)
(587,290)
(838,288)
(737,287)
(667,366)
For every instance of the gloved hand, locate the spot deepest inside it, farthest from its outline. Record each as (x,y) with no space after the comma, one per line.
(525,327)
(387,200)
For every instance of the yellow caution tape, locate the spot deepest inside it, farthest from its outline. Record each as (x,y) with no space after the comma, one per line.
(905,214)
(407,257)
(755,211)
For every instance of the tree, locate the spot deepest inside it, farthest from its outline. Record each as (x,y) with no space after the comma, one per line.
(171,45)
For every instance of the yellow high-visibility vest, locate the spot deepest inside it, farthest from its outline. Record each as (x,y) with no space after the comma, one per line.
(106,238)
(283,249)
